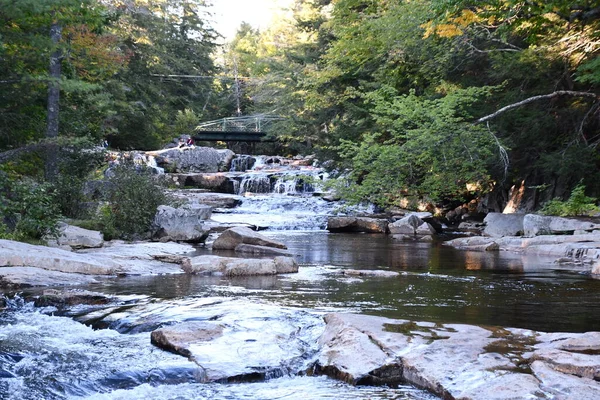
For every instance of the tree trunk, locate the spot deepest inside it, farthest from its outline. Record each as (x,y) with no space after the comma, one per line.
(53,102)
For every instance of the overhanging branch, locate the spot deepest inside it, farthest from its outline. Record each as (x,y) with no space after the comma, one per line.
(558,93)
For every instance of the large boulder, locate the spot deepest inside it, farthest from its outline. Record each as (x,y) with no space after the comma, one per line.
(184,224)
(499,225)
(411,225)
(230,266)
(233,237)
(357,224)
(194,159)
(78,238)
(534,225)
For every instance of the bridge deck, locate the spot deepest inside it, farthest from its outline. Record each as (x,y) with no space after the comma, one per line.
(231,136)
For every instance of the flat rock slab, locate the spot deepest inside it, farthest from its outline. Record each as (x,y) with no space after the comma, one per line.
(20,254)
(24,265)
(456,361)
(230,266)
(376,273)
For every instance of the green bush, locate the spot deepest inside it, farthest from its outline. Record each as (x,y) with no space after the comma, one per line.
(132,202)
(28,210)
(577,204)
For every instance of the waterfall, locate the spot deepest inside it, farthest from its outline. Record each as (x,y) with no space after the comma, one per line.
(255,183)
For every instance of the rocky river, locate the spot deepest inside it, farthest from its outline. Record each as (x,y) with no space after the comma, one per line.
(366,316)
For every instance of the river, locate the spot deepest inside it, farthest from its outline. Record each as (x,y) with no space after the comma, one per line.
(93,352)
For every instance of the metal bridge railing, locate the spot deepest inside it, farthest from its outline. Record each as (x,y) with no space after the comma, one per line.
(253,123)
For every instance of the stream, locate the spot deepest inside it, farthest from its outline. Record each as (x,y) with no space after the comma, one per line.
(100,352)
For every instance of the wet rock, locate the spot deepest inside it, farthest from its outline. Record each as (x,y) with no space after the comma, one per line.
(411,225)
(564,386)
(371,273)
(180,337)
(78,238)
(245,342)
(229,266)
(193,159)
(356,224)
(499,225)
(65,298)
(261,250)
(183,224)
(534,225)
(233,237)
(452,361)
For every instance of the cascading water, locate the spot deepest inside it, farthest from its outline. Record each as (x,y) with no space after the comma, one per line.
(279,194)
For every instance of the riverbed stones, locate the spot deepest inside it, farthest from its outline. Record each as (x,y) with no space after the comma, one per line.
(357,224)
(499,225)
(233,237)
(183,224)
(455,360)
(229,266)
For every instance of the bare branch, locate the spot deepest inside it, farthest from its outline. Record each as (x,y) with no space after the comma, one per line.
(536,98)
(15,153)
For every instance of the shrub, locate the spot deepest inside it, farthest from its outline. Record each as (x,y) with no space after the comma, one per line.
(28,209)
(132,202)
(577,204)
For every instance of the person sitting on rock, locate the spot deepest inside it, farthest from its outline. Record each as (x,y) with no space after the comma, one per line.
(189,142)
(181,143)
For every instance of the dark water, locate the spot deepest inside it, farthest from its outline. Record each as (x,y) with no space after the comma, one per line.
(436,283)
(47,356)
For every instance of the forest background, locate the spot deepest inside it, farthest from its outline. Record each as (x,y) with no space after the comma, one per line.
(441,100)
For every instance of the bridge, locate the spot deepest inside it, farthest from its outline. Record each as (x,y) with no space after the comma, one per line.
(236,129)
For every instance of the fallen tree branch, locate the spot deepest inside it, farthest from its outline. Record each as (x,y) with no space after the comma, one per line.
(536,98)
(15,153)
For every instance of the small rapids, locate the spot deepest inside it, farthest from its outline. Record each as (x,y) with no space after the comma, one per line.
(44,356)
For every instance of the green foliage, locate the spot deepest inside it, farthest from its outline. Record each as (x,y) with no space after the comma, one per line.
(429,149)
(578,204)
(27,209)
(131,203)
